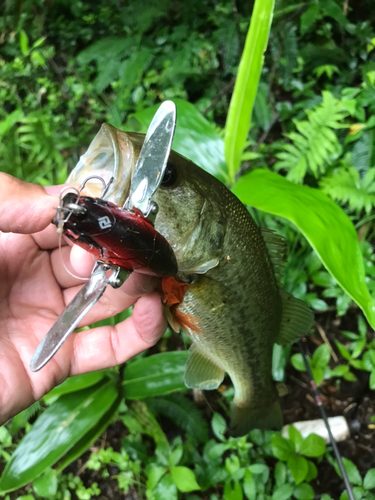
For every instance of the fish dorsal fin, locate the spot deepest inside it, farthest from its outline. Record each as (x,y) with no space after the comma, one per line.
(296,320)
(276,246)
(201,372)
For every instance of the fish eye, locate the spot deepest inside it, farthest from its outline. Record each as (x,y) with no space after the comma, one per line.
(170,175)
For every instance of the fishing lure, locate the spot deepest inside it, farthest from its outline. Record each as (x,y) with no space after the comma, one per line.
(116,236)
(123,239)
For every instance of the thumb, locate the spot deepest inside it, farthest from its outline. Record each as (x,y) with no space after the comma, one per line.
(24,208)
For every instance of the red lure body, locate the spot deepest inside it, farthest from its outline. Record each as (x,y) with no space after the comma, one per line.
(119,237)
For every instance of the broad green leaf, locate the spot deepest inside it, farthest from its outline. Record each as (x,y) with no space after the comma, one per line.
(245,89)
(165,489)
(298,467)
(154,474)
(325,225)
(369,480)
(55,432)
(313,446)
(249,486)
(233,491)
(280,473)
(90,437)
(219,426)
(297,362)
(155,375)
(304,492)
(321,356)
(281,447)
(46,485)
(184,479)
(283,492)
(195,137)
(76,383)
(352,471)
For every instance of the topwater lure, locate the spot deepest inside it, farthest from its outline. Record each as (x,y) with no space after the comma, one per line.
(123,239)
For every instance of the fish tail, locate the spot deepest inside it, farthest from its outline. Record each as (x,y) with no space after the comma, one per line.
(246,418)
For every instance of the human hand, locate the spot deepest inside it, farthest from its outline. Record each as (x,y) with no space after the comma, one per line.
(35,288)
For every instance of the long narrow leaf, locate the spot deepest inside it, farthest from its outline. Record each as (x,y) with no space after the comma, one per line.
(245,89)
(324,224)
(55,432)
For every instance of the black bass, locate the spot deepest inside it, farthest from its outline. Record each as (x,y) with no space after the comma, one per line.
(234,300)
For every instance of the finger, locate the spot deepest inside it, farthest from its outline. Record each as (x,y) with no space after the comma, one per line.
(115,301)
(112,345)
(24,208)
(71,265)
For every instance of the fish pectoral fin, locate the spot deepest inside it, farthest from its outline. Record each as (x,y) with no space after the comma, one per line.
(296,320)
(202,268)
(201,372)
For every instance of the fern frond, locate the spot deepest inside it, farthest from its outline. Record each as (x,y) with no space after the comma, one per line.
(183,412)
(362,153)
(315,142)
(346,186)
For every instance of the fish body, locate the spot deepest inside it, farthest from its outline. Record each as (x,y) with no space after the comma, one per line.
(234,294)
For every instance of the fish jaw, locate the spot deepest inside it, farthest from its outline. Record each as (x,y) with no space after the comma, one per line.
(111,154)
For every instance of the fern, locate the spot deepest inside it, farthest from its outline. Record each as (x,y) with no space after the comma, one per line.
(315,142)
(362,154)
(346,186)
(183,412)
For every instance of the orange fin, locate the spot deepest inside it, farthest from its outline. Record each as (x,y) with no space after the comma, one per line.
(174,292)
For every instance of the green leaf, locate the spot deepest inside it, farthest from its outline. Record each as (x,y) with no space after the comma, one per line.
(283,492)
(154,474)
(297,362)
(343,350)
(184,479)
(76,383)
(155,375)
(321,356)
(249,486)
(295,437)
(165,489)
(280,473)
(258,468)
(312,472)
(90,437)
(298,467)
(183,412)
(280,358)
(24,43)
(281,447)
(55,432)
(372,380)
(304,492)
(195,137)
(244,93)
(320,220)
(313,446)
(352,471)
(369,480)
(46,485)
(219,426)
(233,491)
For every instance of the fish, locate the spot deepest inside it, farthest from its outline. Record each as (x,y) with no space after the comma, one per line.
(230,301)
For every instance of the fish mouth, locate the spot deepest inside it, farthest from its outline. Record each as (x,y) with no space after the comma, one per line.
(111,154)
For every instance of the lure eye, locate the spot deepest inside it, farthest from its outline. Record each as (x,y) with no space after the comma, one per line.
(170,176)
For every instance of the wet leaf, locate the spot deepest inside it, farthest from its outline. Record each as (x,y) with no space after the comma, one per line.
(195,137)
(55,432)
(321,221)
(155,375)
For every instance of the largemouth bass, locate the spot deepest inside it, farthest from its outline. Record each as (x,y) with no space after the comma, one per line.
(236,308)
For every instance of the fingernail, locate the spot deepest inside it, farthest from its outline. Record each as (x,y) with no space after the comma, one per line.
(53,190)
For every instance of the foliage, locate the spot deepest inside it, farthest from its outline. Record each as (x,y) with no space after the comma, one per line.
(68,66)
